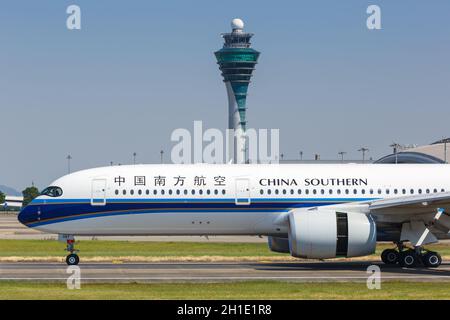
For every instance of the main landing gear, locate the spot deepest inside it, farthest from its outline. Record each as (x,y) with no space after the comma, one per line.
(72,259)
(411,257)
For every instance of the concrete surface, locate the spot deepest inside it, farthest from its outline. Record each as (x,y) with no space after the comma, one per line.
(160,272)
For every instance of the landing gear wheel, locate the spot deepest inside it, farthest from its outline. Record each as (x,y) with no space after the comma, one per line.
(432,259)
(408,259)
(72,259)
(390,256)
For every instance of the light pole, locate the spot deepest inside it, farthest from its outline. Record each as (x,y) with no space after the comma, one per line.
(162,155)
(134,157)
(363,150)
(395,147)
(301,155)
(445,151)
(69,157)
(342,153)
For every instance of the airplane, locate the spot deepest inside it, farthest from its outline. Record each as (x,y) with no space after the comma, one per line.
(310,211)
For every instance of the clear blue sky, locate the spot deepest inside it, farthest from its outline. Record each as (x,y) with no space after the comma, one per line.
(139,69)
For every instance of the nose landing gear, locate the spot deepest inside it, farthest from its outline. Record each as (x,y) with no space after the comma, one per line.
(411,258)
(72,259)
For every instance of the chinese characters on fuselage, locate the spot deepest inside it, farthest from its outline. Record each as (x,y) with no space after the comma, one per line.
(177,181)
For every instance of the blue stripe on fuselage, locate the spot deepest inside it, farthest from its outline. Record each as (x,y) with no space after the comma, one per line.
(59,210)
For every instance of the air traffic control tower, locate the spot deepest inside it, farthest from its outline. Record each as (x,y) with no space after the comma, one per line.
(237,61)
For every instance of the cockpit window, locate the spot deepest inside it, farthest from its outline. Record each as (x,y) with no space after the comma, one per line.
(52,192)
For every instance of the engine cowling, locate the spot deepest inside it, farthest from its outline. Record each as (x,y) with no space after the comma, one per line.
(277,244)
(322,234)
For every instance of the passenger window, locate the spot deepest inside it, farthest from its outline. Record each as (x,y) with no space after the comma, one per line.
(117,192)
(124,192)
(223,191)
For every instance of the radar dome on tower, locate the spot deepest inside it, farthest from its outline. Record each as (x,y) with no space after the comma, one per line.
(237,24)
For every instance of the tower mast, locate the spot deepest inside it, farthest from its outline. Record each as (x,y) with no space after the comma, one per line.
(237,61)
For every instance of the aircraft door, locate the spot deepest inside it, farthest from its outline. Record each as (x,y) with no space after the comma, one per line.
(242,191)
(98,192)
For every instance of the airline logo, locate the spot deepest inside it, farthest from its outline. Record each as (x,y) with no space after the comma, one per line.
(267,182)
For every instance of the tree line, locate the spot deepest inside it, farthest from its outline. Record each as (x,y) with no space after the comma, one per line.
(28,195)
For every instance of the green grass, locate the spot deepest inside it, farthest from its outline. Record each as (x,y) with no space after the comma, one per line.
(236,290)
(101,248)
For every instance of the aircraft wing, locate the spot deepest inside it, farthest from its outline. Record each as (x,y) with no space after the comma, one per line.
(421,216)
(419,204)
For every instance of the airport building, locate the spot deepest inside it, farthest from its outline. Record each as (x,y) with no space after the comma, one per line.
(436,152)
(237,61)
(11,203)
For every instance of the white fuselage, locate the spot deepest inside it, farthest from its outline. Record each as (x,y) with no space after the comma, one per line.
(206,199)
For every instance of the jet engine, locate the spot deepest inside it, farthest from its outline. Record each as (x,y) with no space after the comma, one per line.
(277,244)
(321,234)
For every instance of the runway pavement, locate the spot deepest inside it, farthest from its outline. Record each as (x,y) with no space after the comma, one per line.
(218,272)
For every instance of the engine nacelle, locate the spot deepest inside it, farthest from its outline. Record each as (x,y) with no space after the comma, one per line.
(321,234)
(277,244)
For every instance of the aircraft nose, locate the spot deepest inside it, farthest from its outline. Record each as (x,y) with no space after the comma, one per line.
(27,215)
(21,216)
